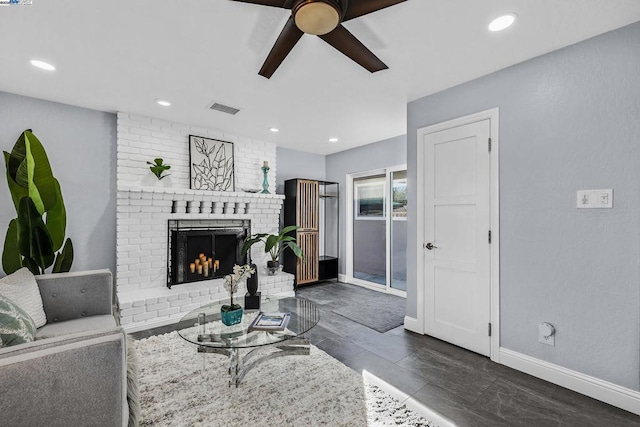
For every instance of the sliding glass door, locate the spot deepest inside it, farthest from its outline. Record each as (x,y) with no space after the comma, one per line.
(369,229)
(378,232)
(398,230)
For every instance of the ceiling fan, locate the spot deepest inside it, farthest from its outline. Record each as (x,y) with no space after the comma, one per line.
(323,18)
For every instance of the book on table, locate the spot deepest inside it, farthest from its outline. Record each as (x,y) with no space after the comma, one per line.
(270,322)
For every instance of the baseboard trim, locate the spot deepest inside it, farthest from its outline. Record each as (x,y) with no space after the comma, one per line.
(604,391)
(411,324)
(342,278)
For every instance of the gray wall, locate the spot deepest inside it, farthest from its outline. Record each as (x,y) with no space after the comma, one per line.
(80,144)
(297,164)
(382,154)
(569,120)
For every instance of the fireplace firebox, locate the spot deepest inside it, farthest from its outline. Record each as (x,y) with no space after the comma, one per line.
(204,249)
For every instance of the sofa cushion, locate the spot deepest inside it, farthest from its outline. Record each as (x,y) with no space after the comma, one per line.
(91,323)
(21,287)
(16,326)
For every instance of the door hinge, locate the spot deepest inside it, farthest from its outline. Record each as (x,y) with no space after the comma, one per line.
(489,144)
(489,236)
(489,329)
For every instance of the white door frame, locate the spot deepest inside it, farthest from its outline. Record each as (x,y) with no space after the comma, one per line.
(349,232)
(493,116)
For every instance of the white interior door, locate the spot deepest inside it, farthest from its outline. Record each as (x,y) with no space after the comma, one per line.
(457,220)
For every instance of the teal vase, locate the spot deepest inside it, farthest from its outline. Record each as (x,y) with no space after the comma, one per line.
(231,317)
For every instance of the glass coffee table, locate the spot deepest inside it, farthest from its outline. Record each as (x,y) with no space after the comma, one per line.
(204,328)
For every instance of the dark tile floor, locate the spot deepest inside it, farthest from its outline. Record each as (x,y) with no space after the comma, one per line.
(465,387)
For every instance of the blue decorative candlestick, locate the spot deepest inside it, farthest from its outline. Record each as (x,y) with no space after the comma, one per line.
(265,181)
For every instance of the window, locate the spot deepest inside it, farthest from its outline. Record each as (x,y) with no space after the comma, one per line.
(370,197)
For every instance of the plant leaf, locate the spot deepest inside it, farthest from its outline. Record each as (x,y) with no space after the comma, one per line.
(11,259)
(31,265)
(34,240)
(272,240)
(17,191)
(64,258)
(288,229)
(295,248)
(250,242)
(57,219)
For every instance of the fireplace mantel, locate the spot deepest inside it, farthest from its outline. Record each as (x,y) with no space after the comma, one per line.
(213,195)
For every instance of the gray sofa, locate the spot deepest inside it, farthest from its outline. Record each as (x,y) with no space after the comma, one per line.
(75,372)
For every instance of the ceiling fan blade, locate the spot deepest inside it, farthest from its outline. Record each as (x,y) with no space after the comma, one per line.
(286,41)
(347,43)
(362,7)
(274,3)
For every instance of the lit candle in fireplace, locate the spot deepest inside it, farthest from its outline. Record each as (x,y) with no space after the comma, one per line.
(216,265)
(199,269)
(197,263)
(192,267)
(210,262)
(206,269)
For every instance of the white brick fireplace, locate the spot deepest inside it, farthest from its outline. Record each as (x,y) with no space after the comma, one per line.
(145,205)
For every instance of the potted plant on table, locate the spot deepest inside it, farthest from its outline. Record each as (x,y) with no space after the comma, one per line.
(232,314)
(274,244)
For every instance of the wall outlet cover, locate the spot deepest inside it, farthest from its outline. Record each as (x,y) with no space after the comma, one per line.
(594,199)
(547,334)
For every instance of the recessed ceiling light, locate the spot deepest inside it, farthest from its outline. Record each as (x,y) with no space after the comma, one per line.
(163,102)
(42,65)
(274,130)
(333,139)
(502,22)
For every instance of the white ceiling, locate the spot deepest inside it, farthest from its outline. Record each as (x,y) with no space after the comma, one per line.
(116,55)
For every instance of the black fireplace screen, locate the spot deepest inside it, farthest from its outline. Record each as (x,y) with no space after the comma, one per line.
(204,249)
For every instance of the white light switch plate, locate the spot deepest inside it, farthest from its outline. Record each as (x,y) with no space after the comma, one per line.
(594,199)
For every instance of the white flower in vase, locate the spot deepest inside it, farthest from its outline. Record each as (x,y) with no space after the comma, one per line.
(231,281)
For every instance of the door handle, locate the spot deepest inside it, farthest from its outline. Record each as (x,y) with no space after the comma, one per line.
(430,246)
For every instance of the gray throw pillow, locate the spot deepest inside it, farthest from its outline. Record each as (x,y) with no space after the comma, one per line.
(16,326)
(21,287)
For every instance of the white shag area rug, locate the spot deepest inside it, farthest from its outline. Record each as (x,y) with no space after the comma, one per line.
(314,390)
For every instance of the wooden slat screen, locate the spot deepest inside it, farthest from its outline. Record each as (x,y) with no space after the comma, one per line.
(307,269)
(308,205)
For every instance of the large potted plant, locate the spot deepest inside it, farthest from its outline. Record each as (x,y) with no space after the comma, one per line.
(36,238)
(274,244)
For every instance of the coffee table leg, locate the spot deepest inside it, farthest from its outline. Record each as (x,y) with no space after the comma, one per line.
(239,367)
(234,361)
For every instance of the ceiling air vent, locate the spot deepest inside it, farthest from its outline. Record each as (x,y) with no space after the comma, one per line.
(224,108)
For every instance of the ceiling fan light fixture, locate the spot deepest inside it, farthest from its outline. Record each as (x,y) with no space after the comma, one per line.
(316,17)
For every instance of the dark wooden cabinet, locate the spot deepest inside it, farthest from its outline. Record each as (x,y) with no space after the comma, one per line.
(313,207)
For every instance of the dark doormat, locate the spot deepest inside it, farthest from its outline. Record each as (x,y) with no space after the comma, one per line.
(378,311)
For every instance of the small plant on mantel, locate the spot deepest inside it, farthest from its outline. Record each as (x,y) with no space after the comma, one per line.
(158,168)
(231,281)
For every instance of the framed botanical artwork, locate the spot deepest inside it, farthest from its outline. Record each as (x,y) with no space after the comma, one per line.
(210,164)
